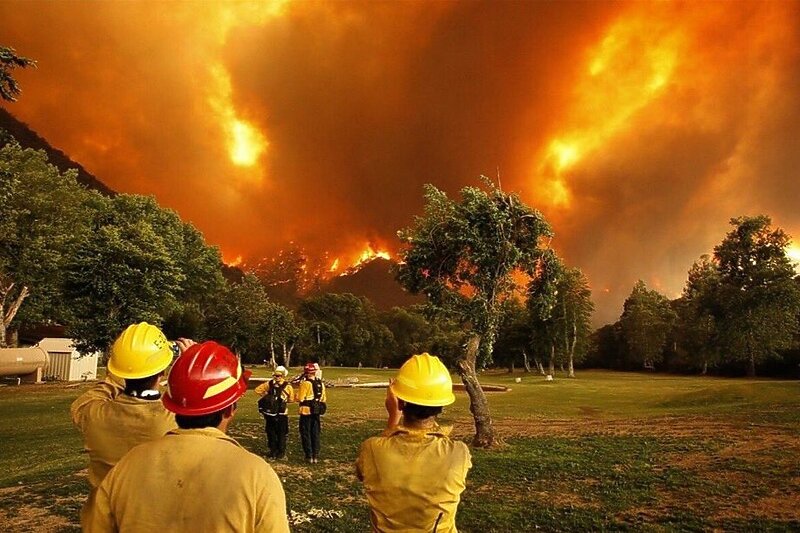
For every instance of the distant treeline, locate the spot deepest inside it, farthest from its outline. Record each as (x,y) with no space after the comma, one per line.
(96,263)
(739,313)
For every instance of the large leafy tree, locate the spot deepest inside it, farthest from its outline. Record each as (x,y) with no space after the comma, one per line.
(9,60)
(237,317)
(697,326)
(542,300)
(758,297)
(122,272)
(140,262)
(646,320)
(574,309)
(462,255)
(44,214)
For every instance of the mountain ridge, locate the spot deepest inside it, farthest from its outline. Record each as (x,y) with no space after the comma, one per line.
(28,138)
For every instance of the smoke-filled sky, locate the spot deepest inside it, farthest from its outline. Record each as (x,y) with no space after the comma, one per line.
(638,128)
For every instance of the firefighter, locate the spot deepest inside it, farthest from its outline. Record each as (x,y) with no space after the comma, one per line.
(312,399)
(273,405)
(196,477)
(125,409)
(414,473)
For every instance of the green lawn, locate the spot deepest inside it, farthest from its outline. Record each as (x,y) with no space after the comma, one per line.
(605,451)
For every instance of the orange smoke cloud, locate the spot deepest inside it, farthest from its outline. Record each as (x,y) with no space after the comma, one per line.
(638,128)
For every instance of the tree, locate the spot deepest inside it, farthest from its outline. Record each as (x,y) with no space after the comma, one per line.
(575,308)
(140,262)
(9,60)
(462,255)
(281,329)
(646,321)
(513,337)
(758,297)
(237,317)
(413,332)
(43,216)
(121,273)
(364,338)
(321,341)
(542,293)
(696,322)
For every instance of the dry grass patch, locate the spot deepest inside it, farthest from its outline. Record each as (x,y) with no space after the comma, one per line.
(32,518)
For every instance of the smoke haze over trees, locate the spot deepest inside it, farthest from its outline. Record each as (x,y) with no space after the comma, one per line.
(638,128)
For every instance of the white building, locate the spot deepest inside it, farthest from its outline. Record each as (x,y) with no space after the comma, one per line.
(66,362)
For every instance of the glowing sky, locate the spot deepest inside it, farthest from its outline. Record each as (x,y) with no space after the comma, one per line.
(638,128)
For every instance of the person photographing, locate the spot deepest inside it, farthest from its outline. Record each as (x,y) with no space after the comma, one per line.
(125,409)
(414,473)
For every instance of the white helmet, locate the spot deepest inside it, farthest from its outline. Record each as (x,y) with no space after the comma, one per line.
(280,370)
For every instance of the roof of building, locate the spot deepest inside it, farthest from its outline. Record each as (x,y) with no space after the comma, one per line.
(57,345)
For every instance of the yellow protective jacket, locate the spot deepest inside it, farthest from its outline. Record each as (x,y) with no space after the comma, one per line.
(112,423)
(288,392)
(413,479)
(305,392)
(191,480)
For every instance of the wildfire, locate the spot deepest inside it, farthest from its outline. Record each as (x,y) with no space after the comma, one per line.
(235,262)
(245,142)
(369,253)
(630,68)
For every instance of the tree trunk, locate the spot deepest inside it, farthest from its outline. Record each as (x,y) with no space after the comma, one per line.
(572,350)
(526,362)
(272,361)
(8,314)
(287,358)
(478,405)
(751,369)
(552,365)
(511,367)
(705,368)
(12,337)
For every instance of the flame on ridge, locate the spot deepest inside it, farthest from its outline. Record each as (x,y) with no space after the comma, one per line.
(369,253)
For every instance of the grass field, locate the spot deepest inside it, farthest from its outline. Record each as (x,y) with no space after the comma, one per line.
(605,451)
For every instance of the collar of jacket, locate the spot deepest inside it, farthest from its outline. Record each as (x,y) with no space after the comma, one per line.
(148,394)
(436,431)
(212,433)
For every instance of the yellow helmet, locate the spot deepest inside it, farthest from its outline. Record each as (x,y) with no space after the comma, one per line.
(140,351)
(424,380)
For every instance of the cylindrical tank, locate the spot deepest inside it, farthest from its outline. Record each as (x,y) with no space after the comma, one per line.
(21,361)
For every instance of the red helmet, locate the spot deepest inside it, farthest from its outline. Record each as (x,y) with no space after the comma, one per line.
(205,379)
(311,368)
